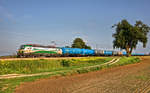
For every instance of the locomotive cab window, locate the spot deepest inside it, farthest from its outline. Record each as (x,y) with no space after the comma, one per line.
(22,47)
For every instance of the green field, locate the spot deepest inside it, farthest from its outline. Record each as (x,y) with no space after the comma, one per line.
(47,65)
(67,66)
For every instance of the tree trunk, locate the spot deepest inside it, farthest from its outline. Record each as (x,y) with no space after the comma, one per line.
(129,54)
(131,51)
(128,51)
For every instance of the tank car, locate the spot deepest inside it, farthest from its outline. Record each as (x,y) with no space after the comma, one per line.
(108,53)
(99,52)
(77,52)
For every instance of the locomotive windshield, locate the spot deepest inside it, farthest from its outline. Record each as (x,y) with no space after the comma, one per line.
(22,47)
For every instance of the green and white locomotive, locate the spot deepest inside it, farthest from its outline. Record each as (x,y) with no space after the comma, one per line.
(34,50)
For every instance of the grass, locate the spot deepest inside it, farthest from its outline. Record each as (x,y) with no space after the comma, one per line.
(128,60)
(142,77)
(70,66)
(8,85)
(122,61)
(45,65)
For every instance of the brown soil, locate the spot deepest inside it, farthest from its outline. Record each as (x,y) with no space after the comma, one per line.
(134,78)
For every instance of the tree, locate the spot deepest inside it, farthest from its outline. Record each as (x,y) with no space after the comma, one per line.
(87,47)
(79,43)
(127,36)
(67,46)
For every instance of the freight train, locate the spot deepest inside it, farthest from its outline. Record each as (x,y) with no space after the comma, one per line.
(34,50)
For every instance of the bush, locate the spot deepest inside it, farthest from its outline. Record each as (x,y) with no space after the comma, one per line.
(65,63)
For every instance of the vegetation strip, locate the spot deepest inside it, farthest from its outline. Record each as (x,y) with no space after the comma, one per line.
(46,73)
(114,61)
(44,65)
(52,58)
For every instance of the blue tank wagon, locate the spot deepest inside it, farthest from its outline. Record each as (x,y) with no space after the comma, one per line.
(137,54)
(108,53)
(77,52)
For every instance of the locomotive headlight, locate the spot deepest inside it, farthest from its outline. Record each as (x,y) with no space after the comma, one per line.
(20,51)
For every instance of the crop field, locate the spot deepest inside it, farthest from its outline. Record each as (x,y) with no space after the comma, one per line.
(67,66)
(45,65)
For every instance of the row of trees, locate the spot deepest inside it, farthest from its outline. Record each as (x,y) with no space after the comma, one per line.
(126,36)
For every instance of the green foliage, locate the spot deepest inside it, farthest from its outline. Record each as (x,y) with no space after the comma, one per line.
(142,77)
(82,71)
(87,47)
(79,43)
(127,60)
(28,66)
(127,36)
(67,46)
(44,65)
(65,63)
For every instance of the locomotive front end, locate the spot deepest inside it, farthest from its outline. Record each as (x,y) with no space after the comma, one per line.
(20,51)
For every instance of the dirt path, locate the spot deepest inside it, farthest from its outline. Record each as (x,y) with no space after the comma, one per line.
(134,78)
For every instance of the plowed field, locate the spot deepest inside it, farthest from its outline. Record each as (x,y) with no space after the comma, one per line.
(133,78)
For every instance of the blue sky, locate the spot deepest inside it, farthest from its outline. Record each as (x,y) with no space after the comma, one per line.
(43,21)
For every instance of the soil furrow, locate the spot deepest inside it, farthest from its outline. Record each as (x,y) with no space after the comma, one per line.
(133,78)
